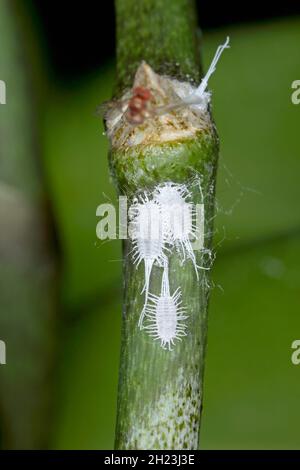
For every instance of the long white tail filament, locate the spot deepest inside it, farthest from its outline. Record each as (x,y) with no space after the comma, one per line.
(198,93)
(203,85)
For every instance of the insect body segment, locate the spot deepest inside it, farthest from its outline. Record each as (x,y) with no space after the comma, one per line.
(139,106)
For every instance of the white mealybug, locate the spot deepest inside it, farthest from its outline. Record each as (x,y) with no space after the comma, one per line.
(149,243)
(178,218)
(164,315)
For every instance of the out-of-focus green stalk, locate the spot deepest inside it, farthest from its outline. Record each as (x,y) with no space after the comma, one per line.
(27,255)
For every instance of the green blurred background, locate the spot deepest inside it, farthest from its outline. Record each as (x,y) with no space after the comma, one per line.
(252,389)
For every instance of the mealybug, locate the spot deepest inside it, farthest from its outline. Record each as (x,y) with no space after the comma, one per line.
(164,315)
(178,217)
(149,243)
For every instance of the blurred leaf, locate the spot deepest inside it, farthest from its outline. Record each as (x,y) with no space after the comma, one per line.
(88,381)
(259,128)
(76,160)
(252,389)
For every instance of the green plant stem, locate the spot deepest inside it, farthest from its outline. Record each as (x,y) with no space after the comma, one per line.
(162,33)
(160,392)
